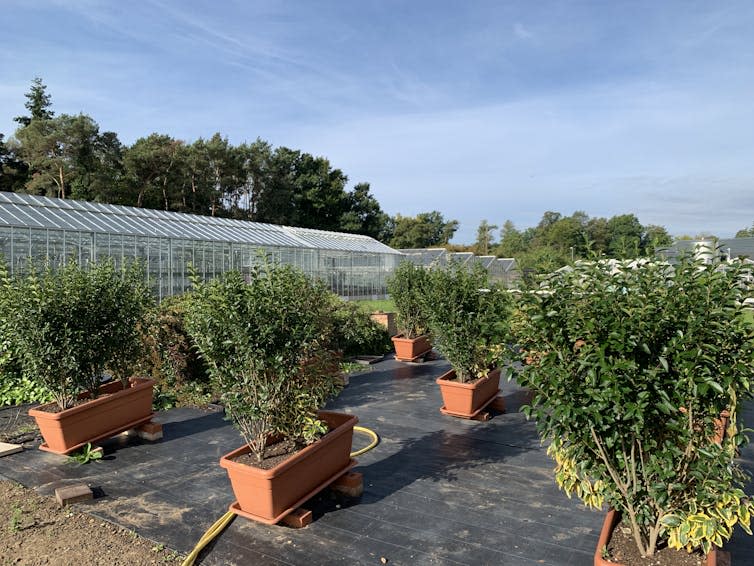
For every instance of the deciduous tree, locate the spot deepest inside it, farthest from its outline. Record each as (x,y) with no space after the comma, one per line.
(152,166)
(422,231)
(13,171)
(363,214)
(57,151)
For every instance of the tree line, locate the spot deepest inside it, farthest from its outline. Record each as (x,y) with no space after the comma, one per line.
(67,156)
(559,239)
(746,232)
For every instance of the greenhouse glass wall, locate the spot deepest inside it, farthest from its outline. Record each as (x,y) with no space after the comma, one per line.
(56,230)
(500,269)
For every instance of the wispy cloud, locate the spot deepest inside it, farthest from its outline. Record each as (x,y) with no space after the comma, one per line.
(521,32)
(484,110)
(608,150)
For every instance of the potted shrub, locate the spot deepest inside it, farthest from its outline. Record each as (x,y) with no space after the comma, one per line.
(632,366)
(264,346)
(468,318)
(355,332)
(407,287)
(72,324)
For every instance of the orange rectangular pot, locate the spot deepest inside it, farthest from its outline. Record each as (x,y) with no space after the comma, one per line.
(465,399)
(264,495)
(115,410)
(611,520)
(408,349)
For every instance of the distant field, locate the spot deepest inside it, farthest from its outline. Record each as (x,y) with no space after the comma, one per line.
(385,305)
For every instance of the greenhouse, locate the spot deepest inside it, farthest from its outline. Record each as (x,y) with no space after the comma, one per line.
(56,230)
(500,269)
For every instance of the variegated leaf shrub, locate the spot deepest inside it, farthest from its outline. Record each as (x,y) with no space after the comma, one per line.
(631,366)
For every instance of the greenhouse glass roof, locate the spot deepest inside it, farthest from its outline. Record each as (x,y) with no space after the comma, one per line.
(58,214)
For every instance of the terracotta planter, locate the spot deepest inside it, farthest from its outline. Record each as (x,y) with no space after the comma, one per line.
(268,495)
(467,399)
(114,411)
(611,520)
(409,349)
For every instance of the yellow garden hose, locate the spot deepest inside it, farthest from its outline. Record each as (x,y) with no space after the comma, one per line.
(370,433)
(207,537)
(225,520)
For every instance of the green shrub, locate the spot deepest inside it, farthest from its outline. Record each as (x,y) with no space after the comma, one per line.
(407,287)
(354,332)
(15,387)
(170,356)
(468,318)
(630,366)
(73,323)
(264,343)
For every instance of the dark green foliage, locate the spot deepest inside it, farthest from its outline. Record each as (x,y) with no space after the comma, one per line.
(170,357)
(363,215)
(630,366)
(74,323)
(558,240)
(15,388)
(13,171)
(746,232)
(38,103)
(66,156)
(264,342)
(422,231)
(355,333)
(468,318)
(61,153)
(407,287)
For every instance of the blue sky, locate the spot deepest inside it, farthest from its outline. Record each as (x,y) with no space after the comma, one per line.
(482,110)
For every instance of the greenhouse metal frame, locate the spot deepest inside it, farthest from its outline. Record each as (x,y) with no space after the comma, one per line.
(500,269)
(56,230)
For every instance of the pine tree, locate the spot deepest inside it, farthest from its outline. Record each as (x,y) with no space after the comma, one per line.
(38,103)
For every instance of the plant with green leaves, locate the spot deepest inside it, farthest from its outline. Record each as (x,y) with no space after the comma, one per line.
(170,358)
(15,387)
(468,317)
(86,454)
(406,287)
(16,518)
(354,332)
(631,366)
(264,342)
(73,323)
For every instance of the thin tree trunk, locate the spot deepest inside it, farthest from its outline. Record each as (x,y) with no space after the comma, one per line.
(62,183)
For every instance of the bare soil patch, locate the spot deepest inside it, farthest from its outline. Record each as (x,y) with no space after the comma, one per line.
(35,531)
